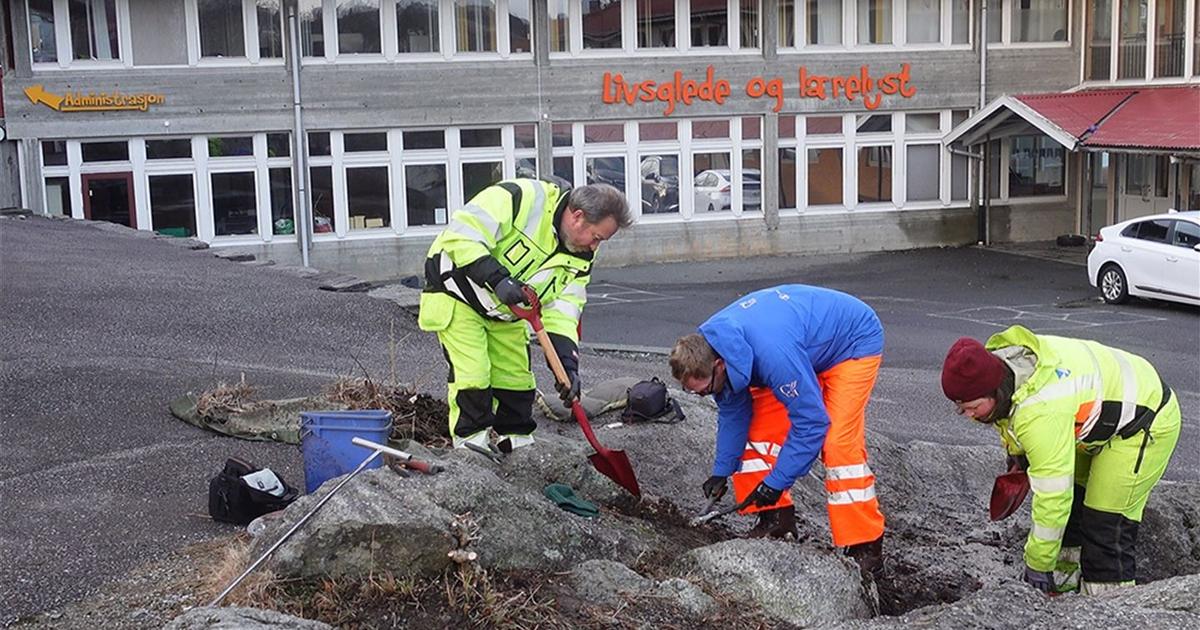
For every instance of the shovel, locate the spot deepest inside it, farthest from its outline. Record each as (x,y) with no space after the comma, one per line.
(710,514)
(612,464)
(1008,493)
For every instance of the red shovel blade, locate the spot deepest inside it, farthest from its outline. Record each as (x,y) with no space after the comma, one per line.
(1008,493)
(612,464)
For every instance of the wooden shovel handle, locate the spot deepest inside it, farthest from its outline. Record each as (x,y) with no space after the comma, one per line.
(556,365)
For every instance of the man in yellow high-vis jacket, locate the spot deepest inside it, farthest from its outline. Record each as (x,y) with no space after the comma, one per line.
(514,235)
(1097,426)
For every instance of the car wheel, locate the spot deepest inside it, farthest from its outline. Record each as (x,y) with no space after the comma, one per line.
(1113,286)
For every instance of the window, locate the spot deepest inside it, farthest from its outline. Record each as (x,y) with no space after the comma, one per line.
(823,125)
(1170,37)
(221,33)
(363,142)
(602,24)
(230,146)
(520,34)
(425,191)
(117,151)
(1153,230)
(924,170)
(787,24)
(283,216)
(172,205)
(1035,167)
(824,22)
(417,26)
(924,21)
(42,38)
(478,138)
(1187,234)
(655,24)
(479,175)
(54,153)
(614,132)
(58,196)
(564,167)
(922,123)
(173,149)
(312,28)
(959,176)
(93,26)
(319,143)
(660,184)
(787,178)
(1039,20)
(874,21)
(752,179)
(560,25)
(874,174)
(607,170)
(279,145)
(960,21)
(710,23)
(358,25)
(270,29)
(235,204)
(525,136)
(321,189)
(368,197)
(1131,54)
(750,23)
(657,131)
(424,139)
(1098,40)
(475,25)
(712,182)
(825,177)
(874,123)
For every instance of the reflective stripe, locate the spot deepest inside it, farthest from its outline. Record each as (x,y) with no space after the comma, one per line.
(1051,484)
(753,465)
(1128,390)
(566,308)
(853,471)
(462,229)
(1047,533)
(764,448)
(854,495)
(534,220)
(575,290)
(539,277)
(518,441)
(478,439)
(485,218)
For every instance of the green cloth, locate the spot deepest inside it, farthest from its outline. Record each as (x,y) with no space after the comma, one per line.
(564,497)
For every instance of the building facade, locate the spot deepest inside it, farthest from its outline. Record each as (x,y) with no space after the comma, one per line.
(735,127)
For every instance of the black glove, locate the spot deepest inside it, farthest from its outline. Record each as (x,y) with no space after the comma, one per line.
(568,355)
(510,291)
(568,393)
(1041,580)
(765,496)
(714,487)
(1020,462)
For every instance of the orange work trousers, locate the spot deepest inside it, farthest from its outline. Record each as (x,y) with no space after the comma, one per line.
(854,515)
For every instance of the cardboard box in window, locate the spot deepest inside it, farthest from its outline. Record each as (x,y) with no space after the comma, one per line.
(358,222)
(375,222)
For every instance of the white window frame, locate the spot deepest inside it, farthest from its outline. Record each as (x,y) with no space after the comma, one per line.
(850,39)
(1190,71)
(63,47)
(252,56)
(841,142)
(391,36)
(503,37)
(405,157)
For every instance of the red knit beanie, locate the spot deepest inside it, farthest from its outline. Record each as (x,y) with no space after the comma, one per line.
(970,371)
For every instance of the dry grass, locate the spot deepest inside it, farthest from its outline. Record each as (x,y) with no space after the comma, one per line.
(418,417)
(225,399)
(260,589)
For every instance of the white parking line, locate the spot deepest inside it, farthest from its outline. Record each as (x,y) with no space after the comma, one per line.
(603,293)
(1044,317)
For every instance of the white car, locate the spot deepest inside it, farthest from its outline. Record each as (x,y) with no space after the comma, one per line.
(712,189)
(1156,256)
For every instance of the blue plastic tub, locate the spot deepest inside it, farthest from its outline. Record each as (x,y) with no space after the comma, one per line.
(325,442)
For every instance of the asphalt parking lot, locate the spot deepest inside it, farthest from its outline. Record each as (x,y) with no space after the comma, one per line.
(100,329)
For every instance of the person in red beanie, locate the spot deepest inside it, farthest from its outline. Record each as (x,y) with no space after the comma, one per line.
(1095,426)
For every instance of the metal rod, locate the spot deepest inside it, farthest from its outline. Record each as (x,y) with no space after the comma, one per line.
(304,224)
(298,525)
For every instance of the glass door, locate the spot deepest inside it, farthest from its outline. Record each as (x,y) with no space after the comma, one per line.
(109,197)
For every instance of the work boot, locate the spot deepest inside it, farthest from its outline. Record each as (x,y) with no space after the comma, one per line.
(776,523)
(869,556)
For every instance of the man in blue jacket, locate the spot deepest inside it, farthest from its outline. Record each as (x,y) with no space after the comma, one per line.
(792,368)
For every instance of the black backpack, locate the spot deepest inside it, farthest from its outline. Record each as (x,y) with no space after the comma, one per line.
(647,401)
(232,500)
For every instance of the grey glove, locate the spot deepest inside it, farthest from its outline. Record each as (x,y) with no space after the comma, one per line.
(714,487)
(568,394)
(510,291)
(1041,580)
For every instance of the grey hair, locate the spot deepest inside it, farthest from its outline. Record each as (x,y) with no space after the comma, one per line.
(599,202)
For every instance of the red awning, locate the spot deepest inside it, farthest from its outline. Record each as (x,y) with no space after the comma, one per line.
(1154,118)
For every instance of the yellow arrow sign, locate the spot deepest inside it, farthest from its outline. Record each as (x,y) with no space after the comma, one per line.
(38,94)
(93,101)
